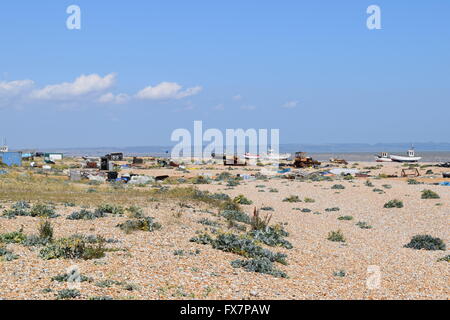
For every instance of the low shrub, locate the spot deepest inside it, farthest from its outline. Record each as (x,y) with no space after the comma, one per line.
(292,199)
(110,208)
(338,187)
(43,210)
(260,223)
(332,209)
(241,199)
(425,242)
(84,214)
(135,212)
(229,242)
(259,265)
(45,230)
(394,204)
(145,224)
(13,237)
(235,215)
(345,218)
(68,294)
(364,225)
(272,236)
(207,222)
(7,255)
(336,236)
(428,194)
(72,248)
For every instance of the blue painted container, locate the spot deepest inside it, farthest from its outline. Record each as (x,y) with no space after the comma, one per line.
(11,158)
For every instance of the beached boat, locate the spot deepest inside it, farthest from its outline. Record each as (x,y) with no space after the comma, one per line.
(251,156)
(410,157)
(271,155)
(383,157)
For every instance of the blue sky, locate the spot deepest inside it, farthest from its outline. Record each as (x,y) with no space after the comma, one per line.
(309,68)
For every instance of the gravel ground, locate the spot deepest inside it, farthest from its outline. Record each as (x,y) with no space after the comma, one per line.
(147,260)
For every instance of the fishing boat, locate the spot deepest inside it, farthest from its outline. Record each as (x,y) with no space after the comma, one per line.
(251,156)
(383,157)
(410,157)
(271,155)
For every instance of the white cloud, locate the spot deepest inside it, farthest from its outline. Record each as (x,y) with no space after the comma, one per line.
(15,87)
(167,91)
(115,99)
(290,104)
(237,97)
(248,107)
(84,85)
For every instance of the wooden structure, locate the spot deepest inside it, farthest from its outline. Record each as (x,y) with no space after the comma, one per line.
(411,172)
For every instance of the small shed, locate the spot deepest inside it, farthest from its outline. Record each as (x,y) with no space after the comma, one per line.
(11,158)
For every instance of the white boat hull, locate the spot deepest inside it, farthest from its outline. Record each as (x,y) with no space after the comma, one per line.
(405,159)
(384,159)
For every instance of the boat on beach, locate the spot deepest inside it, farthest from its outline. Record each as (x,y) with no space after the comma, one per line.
(410,157)
(271,155)
(383,157)
(251,156)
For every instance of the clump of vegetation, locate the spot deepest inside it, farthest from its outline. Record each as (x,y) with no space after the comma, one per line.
(337,187)
(394,204)
(45,230)
(13,237)
(425,242)
(332,209)
(110,208)
(229,242)
(274,190)
(345,218)
(446,258)
(272,236)
(235,215)
(292,199)
(260,223)
(207,222)
(68,294)
(378,190)
(145,224)
(364,225)
(43,210)
(7,255)
(387,186)
(135,212)
(309,200)
(267,209)
(84,214)
(73,248)
(368,183)
(259,265)
(413,181)
(65,278)
(201,180)
(336,236)
(340,273)
(241,199)
(20,208)
(428,194)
